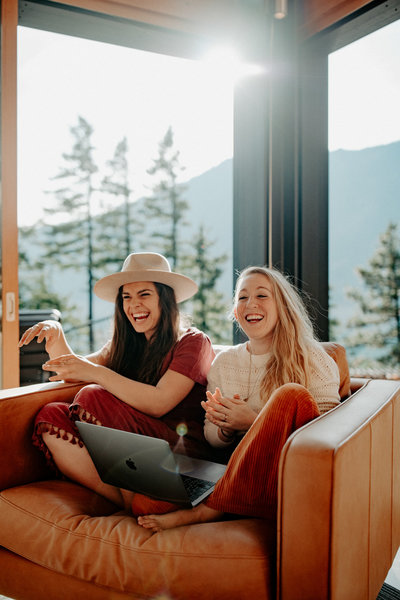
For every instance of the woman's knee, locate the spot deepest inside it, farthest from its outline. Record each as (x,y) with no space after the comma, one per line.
(87,393)
(290,393)
(293,397)
(89,402)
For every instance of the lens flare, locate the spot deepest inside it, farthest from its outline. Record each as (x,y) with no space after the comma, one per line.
(181,429)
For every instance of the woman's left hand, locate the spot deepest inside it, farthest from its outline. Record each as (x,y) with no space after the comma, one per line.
(71,368)
(230,414)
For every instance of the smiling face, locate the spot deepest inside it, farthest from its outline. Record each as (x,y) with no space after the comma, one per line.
(141,305)
(256,310)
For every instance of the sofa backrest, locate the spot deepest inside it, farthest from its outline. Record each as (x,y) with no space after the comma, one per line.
(338,353)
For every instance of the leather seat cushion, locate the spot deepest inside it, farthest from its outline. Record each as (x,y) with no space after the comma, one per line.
(69,529)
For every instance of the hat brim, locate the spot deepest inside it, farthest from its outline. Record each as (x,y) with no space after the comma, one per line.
(107,287)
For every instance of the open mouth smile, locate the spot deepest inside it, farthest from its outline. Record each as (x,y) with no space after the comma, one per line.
(140,317)
(254,318)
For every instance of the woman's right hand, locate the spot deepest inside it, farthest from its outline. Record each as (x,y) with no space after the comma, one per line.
(50,331)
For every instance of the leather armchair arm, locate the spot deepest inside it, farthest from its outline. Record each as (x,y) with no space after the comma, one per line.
(20,462)
(339,497)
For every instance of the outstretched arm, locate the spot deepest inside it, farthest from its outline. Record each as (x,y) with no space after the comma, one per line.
(52,333)
(56,343)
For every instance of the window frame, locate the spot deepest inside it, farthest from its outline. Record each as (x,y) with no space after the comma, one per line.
(314,155)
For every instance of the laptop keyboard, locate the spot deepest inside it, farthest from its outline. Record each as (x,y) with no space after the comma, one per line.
(196,487)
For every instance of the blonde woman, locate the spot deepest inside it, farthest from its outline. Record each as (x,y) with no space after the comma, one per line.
(259,392)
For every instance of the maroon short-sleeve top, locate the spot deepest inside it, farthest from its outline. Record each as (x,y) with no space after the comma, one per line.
(191,356)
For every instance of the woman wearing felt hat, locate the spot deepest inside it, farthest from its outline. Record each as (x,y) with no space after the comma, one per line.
(149,379)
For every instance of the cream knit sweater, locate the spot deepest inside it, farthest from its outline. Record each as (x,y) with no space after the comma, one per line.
(231,372)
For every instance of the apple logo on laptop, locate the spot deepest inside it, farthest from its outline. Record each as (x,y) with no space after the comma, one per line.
(131,464)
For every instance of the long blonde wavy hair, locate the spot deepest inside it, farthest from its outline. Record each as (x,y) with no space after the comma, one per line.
(293,336)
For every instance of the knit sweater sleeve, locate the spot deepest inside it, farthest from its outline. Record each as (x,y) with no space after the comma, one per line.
(325,379)
(216,378)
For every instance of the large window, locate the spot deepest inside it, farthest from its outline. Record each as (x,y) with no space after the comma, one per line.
(364,201)
(121,150)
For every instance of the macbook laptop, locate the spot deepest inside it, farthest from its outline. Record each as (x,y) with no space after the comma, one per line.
(148,465)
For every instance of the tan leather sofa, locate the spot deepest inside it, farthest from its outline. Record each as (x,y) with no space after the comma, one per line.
(337,529)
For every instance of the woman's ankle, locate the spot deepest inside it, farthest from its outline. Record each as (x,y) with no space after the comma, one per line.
(205,513)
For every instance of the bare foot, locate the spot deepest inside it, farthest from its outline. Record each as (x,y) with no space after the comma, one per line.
(199,514)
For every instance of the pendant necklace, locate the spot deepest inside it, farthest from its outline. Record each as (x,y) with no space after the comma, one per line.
(258,371)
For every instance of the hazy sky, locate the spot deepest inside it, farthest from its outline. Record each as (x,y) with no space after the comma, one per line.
(364,86)
(120,92)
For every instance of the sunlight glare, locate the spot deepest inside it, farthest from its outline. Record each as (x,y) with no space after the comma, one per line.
(227,62)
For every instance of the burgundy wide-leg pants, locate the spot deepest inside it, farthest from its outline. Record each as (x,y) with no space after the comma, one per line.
(95,405)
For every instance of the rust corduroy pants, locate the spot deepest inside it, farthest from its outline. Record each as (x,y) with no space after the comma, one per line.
(250,483)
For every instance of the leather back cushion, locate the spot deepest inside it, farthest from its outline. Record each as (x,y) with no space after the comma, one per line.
(338,353)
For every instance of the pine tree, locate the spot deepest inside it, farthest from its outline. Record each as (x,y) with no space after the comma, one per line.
(34,287)
(120,227)
(167,206)
(209,310)
(70,239)
(378,323)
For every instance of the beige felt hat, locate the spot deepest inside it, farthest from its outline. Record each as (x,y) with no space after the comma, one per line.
(145,266)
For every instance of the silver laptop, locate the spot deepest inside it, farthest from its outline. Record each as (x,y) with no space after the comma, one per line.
(148,465)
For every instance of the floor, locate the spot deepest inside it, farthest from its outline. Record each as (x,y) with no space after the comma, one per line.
(392,579)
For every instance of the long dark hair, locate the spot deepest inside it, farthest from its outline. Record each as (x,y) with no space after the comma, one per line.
(131,354)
